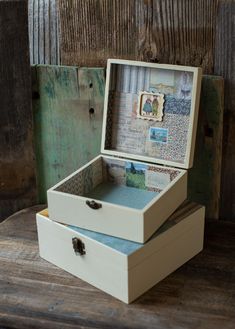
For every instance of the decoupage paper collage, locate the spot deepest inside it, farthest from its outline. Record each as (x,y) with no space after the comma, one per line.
(119,172)
(138,175)
(84,181)
(149,111)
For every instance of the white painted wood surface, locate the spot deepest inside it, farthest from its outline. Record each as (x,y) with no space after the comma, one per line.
(43,32)
(124,277)
(157,213)
(123,222)
(160,264)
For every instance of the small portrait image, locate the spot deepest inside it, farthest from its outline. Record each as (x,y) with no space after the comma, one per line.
(151,106)
(185,85)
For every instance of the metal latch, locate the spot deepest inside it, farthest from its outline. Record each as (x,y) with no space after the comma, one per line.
(94,205)
(78,246)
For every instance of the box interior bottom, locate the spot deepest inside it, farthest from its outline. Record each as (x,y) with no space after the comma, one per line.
(122,195)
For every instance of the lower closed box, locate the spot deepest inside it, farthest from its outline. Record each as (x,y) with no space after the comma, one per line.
(122,268)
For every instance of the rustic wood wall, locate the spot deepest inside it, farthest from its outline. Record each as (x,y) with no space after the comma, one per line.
(17,167)
(198,32)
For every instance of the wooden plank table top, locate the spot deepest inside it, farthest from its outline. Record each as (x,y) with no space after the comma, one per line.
(36,294)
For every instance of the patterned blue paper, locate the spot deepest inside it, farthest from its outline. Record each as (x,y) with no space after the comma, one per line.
(179,106)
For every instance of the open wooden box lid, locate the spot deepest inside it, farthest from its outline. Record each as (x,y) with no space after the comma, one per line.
(150,112)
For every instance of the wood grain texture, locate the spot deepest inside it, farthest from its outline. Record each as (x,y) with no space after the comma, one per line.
(225,66)
(43,32)
(36,294)
(67,132)
(165,31)
(205,177)
(17,174)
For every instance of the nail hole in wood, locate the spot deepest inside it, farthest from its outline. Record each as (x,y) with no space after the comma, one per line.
(91,110)
(35,95)
(208,131)
(91,85)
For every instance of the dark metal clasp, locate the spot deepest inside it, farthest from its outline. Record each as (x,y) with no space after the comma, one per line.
(78,246)
(94,205)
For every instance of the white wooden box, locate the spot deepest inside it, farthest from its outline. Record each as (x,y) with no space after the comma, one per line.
(140,178)
(121,268)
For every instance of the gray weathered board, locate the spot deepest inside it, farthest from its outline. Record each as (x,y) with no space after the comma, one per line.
(17,166)
(165,31)
(225,65)
(43,32)
(67,135)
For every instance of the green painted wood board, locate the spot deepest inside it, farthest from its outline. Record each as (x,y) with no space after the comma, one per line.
(205,177)
(66,134)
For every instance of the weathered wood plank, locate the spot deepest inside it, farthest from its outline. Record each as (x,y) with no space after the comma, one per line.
(17,173)
(43,32)
(177,32)
(225,66)
(205,177)
(36,294)
(67,135)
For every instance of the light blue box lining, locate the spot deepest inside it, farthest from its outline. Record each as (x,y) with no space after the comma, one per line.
(122,195)
(124,246)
